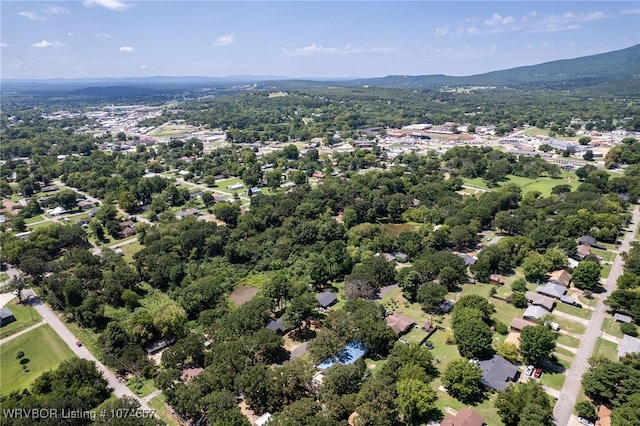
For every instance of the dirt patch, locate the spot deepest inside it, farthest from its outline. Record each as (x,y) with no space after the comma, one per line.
(242,294)
(513,338)
(247,412)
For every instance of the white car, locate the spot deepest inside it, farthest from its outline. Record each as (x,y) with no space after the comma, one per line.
(584,421)
(529,370)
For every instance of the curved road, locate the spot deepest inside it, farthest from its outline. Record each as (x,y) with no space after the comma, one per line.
(572,384)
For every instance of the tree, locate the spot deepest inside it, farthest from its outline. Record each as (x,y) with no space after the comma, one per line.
(67,199)
(473,337)
(514,401)
(477,302)
(586,276)
(328,343)
(430,295)
(508,351)
(628,413)
(535,267)
(415,400)
(342,379)
(586,409)
(227,212)
(588,155)
(584,140)
(463,380)
(360,286)
(17,284)
(519,300)
(537,343)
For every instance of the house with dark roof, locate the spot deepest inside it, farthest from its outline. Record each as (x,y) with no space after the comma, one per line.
(278,326)
(326,299)
(537,299)
(468,260)
(588,240)
(518,324)
(561,277)
(464,417)
(6,316)
(158,345)
(552,290)
(497,372)
(570,301)
(399,323)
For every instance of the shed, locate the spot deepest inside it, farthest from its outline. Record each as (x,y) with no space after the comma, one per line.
(263,419)
(540,300)
(399,323)
(6,316)
(622,318)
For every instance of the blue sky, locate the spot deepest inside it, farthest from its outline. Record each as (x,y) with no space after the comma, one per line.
(322,39)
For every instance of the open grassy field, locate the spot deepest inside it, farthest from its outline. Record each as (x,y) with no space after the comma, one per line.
(25,316)
(606,348)
(532,131)
(33,219)
(141,387)
(572,342)
(130,249)
(395,229)
(544,184)
(567,325)
(43,351)
(159,404)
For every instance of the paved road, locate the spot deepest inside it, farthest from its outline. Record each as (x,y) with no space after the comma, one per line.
(572,383)
(118,388)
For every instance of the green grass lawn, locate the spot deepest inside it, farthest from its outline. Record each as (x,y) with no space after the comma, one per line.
(552,379)
(609,326)
(570,326)
(130,249)
(141,387)
(33,219)
(159,403)
(486,408)
(475,182)
(395,229)
(604,272)
(44,351)
(606,348)
(572,342)
(25,316)
(416,335)
(3,276)
(606,255)
(536,131)
(572,310)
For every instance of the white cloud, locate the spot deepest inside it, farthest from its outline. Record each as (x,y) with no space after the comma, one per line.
(127,49)
(443,31)
(45,44)
(15,64)
(497,20)
(143,67)
(4,45)
(71,34)
(116,5)
(315,49)
(225,40)
(43,14)
(631,11)
(565,22)
(102,35)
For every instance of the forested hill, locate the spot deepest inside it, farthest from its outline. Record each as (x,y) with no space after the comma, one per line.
(620,68)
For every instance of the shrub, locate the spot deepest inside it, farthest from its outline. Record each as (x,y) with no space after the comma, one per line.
(629,329)
(519,285)
(501,328)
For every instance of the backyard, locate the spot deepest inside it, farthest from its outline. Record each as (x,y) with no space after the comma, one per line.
(25,317)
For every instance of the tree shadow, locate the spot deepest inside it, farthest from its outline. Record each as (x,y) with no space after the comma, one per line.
(25,361)
(303,334)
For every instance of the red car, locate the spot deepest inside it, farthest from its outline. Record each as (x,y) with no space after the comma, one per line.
(78,344)
(538,373)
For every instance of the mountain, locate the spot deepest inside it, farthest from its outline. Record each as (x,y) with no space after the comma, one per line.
(620,68)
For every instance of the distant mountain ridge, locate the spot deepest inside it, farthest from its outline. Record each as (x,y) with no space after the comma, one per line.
(616,72)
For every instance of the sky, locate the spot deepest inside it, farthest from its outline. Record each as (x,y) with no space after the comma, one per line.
(302,39)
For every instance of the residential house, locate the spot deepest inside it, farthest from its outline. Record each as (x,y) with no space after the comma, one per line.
(618,317)
(464,417)
(537,299)
(628,345)
(552,290)
(399,323)
(263,419)
(604,416)
(518,324)
(495,279)
(327,299)
(582,251)
(158,345)
(6,316)
(497,372)
(561,277)
(235,186)
(188,212)
(127,228)
(468,260)
(588,240)
(318,175)
(534,313)
(278,326)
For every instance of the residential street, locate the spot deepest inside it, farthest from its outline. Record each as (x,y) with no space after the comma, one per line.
(119,389)
(571,388)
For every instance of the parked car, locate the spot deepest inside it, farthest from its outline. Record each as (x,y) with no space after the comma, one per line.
(529,370)
(538,373)
(446,306)
(585,422)
(78,344)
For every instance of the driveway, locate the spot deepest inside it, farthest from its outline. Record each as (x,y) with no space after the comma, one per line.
(572,384)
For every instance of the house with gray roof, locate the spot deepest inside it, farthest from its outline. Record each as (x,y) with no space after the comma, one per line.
(497,372)
(628,345)
(6,316)
(534,313)
(327,299)
(538,299)
(618,317)
(278,326)
(552,290)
